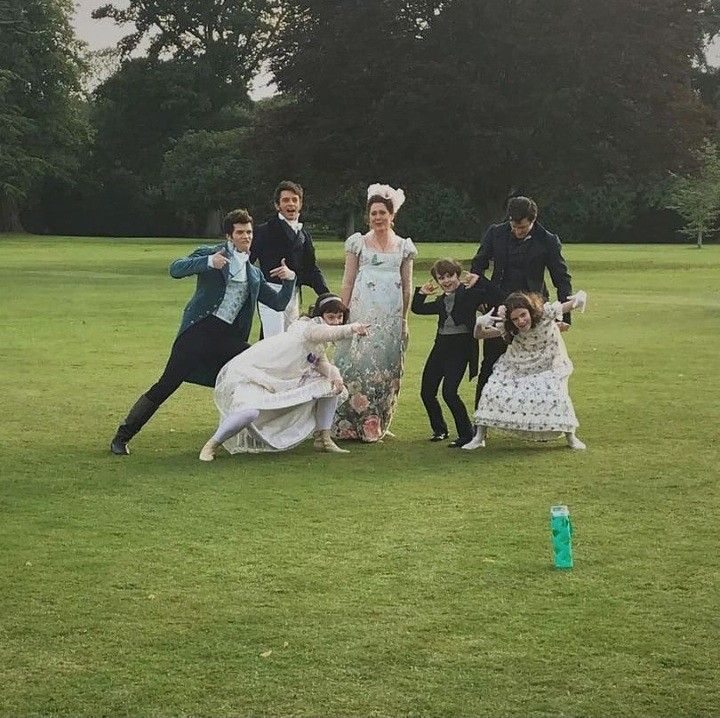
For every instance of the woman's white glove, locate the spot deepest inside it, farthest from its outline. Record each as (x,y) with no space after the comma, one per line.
(579,300)
(488,320)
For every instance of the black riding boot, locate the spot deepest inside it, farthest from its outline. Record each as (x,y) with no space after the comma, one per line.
(137,417)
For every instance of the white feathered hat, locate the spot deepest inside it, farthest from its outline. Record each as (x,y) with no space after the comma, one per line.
(396,196)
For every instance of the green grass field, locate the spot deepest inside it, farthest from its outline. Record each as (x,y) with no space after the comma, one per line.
(403,579)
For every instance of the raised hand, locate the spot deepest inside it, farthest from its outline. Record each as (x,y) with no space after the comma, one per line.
(469,280)
(428,288)
(282,272)
(219,260)
(489,320)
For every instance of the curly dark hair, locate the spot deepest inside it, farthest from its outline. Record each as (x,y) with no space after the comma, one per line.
(445,266)
(237,216)
(531,301)
(329,303)
(287,185)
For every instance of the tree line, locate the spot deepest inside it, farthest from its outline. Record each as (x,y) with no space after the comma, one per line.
(594,109)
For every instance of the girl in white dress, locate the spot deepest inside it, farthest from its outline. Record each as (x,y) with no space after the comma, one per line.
(276,393)
(527,392)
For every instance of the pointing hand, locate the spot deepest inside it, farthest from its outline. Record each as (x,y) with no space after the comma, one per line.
(282,272)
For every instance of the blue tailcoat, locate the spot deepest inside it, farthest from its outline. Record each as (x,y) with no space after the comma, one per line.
(209,293)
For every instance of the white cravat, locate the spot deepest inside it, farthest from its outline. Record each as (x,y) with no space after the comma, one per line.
(238,262)
(296,226)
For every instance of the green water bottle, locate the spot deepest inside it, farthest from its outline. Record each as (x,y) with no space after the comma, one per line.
(561,536)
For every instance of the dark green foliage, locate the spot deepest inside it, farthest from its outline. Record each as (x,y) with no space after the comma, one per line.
(227,39)
(208,171)
(697,198)
(42,123)
(490,95)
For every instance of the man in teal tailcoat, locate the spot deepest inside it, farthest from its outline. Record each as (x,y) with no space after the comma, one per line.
(217,320)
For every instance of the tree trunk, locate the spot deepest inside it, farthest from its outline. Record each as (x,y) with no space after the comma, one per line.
(350,222)
(213,223)
(699,239)
(10,215)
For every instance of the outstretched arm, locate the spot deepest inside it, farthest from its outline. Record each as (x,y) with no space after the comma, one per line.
(576,301)
(317,332)
(197,263)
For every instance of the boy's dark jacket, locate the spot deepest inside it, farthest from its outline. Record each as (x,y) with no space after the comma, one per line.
(464,311)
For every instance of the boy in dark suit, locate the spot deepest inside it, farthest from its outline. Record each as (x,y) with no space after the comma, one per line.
(455,349)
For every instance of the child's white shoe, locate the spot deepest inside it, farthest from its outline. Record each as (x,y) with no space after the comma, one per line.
(574,443)
(477,442)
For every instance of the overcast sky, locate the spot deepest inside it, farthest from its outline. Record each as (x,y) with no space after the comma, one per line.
(96,33)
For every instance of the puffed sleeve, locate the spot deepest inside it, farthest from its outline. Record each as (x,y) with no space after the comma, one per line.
(353,244)
(409,249)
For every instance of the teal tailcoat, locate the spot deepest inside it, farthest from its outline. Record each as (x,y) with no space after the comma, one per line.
(209,293)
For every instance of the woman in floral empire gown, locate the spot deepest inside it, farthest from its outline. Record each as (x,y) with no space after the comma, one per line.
(377,287)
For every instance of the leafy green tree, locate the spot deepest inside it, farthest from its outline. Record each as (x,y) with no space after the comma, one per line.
(42,120)
(345,65)
(486,95)
(696,197)
(141,109)
(208,173)
(227,39)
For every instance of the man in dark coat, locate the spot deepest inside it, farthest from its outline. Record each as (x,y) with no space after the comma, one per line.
(520,250)
(284,238)
(217,320)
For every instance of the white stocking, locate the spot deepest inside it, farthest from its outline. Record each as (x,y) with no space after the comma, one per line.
(233,422)
(325,409)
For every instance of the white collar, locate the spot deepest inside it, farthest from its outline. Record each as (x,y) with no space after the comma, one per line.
(296,225)
(238,262)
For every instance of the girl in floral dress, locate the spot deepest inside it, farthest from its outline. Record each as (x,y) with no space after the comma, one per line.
(527,392)
(276,393)
(377,288)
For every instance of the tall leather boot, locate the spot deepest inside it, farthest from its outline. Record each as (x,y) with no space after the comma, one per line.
(137,417)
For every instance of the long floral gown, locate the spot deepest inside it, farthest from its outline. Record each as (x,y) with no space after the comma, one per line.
(371,367)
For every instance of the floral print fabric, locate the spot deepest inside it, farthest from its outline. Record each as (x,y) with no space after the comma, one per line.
(527,392)
(371,366)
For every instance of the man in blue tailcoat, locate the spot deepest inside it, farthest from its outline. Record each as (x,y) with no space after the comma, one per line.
(217,320)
